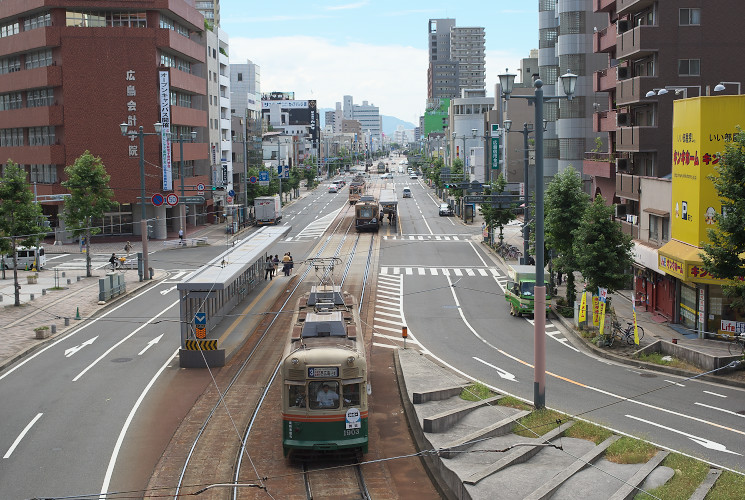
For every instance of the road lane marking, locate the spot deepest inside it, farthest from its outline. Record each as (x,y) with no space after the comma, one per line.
(150,344)
(715,394)
(720,409)
(21,435)
(706,443)
(502,373)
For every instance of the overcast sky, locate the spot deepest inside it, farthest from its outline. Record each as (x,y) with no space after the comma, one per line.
(375,51)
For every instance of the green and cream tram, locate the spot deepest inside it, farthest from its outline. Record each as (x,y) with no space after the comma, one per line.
(324,375)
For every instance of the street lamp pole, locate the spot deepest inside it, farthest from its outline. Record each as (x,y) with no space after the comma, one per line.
(143,214)
(527,129)
(180,139)
(569,82)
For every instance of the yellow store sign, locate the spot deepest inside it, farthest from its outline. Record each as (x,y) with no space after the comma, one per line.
(701,128)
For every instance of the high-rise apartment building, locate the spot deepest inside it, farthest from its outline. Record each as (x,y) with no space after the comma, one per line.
(210,9)
(457,59)
(368,115)
(70,75)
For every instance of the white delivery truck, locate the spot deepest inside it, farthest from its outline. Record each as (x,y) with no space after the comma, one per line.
(267,210)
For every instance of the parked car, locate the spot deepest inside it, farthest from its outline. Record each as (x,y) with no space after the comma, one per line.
(446,209)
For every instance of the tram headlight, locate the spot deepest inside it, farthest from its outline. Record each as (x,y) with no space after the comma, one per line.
(294,361)
(350,360)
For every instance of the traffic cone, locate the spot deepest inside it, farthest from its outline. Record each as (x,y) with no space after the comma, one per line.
(77,314)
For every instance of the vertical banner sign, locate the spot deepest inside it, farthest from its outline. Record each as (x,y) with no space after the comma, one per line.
(595,311)
(165,137)
(314,128)
(603,295)
(583,308)
(633,308)
(495,153)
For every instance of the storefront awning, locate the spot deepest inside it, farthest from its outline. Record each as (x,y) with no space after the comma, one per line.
(654,211)
(684,262)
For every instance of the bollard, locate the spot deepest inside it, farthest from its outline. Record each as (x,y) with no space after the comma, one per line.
(54,329)
(63,274)
(43,291)
(78,278)
(69,281)
(67,321)
(31,296)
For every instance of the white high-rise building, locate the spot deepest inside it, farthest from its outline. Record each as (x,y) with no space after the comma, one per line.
(368,115)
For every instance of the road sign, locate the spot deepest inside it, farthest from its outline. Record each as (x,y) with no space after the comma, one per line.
(263,178)
(200,318)
(158,199)
(200,187)
(252,179)
(229,199)
(231,193)
(172,199)
(496,200)
(193,200)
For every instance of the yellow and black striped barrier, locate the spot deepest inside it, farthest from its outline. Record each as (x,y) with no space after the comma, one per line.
(201,345)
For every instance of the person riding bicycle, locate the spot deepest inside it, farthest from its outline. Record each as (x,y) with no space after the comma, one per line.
(114,261)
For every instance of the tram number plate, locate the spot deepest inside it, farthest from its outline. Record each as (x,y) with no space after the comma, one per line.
(323,372)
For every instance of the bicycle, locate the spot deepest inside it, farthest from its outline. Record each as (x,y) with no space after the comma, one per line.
(736,346)
(117,265)
(626,334)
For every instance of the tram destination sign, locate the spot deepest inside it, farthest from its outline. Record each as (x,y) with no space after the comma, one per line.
(495,200)
(323,372)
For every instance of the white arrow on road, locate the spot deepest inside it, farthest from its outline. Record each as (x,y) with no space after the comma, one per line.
(502,373)
(69,352)
(150,344)
(706,443)
(163,292)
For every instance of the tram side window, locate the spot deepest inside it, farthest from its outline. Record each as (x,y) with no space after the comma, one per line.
(352,395)
(324,394)
(296,395)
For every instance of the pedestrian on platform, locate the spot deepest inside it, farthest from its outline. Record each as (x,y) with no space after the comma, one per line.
(268,268)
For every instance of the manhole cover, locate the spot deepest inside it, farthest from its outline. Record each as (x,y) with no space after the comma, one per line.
(121,360)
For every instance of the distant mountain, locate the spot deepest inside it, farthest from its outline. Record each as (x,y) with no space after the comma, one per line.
(390,123)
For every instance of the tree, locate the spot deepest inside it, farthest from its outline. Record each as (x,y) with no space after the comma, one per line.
(497,215)
(90,198)
(602,251)
(565,205)
(20,217)
(723,257)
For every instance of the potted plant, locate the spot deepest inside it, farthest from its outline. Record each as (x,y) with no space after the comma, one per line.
(32,279)
(42,332)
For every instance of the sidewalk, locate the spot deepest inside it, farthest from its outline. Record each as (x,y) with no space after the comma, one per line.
(62,298)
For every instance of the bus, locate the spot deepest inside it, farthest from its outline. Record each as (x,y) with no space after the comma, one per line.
(27,257)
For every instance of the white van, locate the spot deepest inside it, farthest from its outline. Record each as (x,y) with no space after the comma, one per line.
(27,257)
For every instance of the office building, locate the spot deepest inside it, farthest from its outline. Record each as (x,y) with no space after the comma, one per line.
(457,59)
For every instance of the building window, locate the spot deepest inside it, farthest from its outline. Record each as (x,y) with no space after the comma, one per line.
(690,17)
(168,23)
(10,137)
(548,74)
(85,19)
(43,174)
(39,97)
(551,148)
(574,63)
(572,149)
(689,67)
(547,37)
(10,65)
(572,23)
(658,227)
(572,109)
(11,101)
(31,23)
(39,59)
(240,77)
(41,136)
(9,29)
(546,5)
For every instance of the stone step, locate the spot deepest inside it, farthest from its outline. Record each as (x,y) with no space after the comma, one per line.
(706,485)
(437,394)
(630,488)
(445,420)
(500,428)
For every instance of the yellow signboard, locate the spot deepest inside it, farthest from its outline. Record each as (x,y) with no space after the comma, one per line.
(701,128)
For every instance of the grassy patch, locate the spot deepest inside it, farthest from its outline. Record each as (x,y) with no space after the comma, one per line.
(630,451)
(476,392)
(539,423)
(729,486)
(656,358)
(689,473)
(588,431)
(513,402)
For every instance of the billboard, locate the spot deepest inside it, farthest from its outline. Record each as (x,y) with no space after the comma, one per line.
(436,115)
(702,126)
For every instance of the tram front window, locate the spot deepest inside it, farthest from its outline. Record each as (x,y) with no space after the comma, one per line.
(324,394)
(296,396)
(351,393)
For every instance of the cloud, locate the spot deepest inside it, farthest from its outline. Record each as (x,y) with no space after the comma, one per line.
(347,6)
(392,77)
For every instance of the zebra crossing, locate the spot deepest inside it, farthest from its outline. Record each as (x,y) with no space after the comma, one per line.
(315,229)
(459,272)
(430,237)
(389,313)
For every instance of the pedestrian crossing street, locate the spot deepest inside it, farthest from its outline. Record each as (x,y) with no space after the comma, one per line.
(474,272)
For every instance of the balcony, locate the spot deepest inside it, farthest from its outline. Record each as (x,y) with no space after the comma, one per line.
(49,76)
(604,121)
(192,151)
(29,40)
(630,6)
(33,117)
(629,228)
(605,80)
(175,41)
(633,90)
(605,39)
(628,186)
(638,139)
(188,116)
(190,83)
(638,42)
(29,155)
(603,5)
(598,165)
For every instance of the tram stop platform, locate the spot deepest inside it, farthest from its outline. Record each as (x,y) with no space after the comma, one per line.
(210,295)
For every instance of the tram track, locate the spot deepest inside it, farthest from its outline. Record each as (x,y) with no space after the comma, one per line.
(235,399)
(326,480)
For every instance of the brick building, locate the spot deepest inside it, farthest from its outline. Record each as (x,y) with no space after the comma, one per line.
(69,76)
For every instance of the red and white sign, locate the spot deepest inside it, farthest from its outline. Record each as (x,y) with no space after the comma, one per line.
(230,199)
(200,188)
(158,199)
(172,199)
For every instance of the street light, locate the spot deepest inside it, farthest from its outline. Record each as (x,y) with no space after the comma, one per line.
(679,89)
(143,218)
(180,138)
(720,86)
(569,83)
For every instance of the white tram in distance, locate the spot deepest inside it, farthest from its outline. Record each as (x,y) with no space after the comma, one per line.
(324,378)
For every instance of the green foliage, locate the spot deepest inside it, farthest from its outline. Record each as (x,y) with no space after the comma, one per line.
(476,392)
(724,257)
(20,217)
(497,216)
(628,450)
(601,251)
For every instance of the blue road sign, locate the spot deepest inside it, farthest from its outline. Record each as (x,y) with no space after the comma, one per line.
(200,318)
(231,193)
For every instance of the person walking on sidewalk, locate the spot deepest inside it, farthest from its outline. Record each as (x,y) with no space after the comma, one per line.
(181,237)
(269,268)
(128,248)
(286,264)
(276,263)
(292,263)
